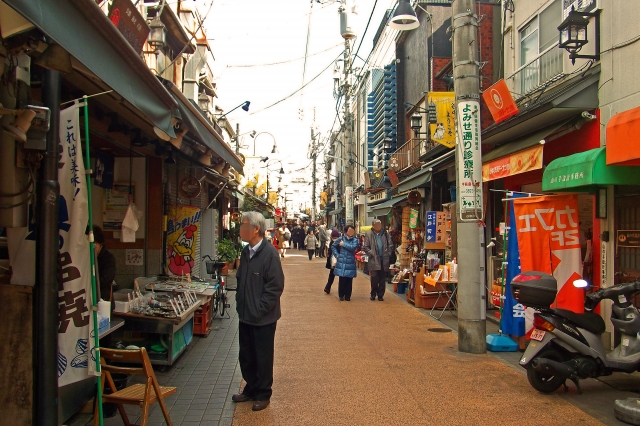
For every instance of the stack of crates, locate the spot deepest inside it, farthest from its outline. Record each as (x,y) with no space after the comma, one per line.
(201,320)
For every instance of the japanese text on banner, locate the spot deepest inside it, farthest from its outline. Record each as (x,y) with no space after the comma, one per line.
(470,163)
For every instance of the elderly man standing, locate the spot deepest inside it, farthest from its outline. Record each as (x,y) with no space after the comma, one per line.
(260,285)
(378,245)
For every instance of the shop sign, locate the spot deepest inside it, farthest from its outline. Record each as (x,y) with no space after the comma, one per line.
(75,290)
(627,238)
(435,227)
(521,162)
(500,102)
(349,204)
(126,17)
(378,196)
(183,231)
(442,129)
(393,178)
(470,165)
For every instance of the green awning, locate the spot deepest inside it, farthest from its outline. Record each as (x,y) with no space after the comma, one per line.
(83,30)
(383,208)
(585,171)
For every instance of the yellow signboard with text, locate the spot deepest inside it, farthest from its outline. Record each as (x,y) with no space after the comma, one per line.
(443,130)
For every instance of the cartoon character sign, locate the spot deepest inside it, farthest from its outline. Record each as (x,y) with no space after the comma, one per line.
(183,229)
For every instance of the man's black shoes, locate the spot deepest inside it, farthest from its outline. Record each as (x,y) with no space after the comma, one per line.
(260,405)
(240,397)
(372,298)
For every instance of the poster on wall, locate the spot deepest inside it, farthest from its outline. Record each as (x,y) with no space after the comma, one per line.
(549,241)
(183,231)
(75,346)
(116,201)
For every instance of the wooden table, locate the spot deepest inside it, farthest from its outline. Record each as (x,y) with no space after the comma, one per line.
(159,325)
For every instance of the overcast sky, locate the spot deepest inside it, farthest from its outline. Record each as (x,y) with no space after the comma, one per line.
(259,32)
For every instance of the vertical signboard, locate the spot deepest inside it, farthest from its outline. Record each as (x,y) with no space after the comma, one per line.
(442,125)
(348,195)
(431,230)
(469,160)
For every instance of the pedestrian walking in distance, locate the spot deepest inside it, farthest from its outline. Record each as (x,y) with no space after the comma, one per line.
(260,285)
(322,237)
(334,237)
(378,246)
(283,235)
(310,243)
(346,265)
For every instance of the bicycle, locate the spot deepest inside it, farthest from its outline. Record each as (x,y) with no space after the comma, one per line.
(214,269)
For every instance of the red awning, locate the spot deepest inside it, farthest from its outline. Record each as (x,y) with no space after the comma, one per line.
(623,138)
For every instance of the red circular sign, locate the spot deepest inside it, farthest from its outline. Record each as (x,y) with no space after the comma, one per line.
(115,16)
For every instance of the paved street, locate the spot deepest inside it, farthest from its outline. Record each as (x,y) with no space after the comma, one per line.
(364,363)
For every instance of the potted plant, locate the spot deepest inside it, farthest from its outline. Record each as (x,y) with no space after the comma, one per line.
(227,252)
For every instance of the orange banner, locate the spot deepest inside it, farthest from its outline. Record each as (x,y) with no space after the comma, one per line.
(549,241)
(520,162)
(499,101)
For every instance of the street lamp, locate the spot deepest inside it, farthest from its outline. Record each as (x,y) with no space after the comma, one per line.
(404,17)
(157,34)
(255,137)
(573,34)
(266,166)
(244,106)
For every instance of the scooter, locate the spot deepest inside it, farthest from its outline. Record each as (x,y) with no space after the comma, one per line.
(566,345)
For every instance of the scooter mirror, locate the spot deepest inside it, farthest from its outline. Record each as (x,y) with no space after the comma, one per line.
(580,283)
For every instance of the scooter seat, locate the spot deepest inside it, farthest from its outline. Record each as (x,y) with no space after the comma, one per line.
(588,320)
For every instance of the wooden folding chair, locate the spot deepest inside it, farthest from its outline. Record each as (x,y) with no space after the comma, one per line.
(142,395)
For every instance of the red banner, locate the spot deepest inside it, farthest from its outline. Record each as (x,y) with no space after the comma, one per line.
(500,102)
(549,241)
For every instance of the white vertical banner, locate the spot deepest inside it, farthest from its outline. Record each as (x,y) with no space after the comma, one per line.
(469,160)
(75,344)
(348,213)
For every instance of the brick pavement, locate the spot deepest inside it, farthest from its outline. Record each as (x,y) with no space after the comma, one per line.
(376,363)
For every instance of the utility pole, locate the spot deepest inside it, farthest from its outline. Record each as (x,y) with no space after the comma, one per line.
(466,70)
(348,34)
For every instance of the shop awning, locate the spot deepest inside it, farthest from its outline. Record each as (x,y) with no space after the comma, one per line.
(202,129)
(83,30)
(415,180)
(528,141)
(383,209)
(623,131)
(337,211)
(556,104)
(423,176)
(585,171)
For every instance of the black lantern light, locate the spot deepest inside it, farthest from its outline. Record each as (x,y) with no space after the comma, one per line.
(157,34)
(404,17)
(416,122)
(573,34)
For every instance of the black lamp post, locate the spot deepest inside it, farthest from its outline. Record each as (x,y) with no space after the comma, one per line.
(244,106)
(573,34)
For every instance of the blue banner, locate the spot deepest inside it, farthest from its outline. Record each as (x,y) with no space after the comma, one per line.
(431,227)
(512,311)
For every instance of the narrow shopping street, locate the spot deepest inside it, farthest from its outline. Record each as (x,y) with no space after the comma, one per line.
(375,363)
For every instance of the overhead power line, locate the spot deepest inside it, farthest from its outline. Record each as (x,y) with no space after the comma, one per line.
(286,61)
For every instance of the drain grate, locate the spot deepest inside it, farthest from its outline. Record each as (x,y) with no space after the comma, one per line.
(439,330)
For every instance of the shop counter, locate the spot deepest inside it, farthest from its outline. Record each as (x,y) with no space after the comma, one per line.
(143,330)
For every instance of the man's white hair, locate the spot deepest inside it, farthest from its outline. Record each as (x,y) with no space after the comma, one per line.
(256,220)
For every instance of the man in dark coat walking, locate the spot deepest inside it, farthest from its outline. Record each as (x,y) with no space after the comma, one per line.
(260,285)
(378,245)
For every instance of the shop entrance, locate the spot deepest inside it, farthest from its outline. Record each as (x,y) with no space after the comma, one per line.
(627,218)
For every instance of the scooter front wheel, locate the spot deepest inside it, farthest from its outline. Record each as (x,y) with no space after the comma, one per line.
(545,382)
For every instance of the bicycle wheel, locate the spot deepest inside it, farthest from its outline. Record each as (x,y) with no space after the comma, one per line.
(214,302)
(223,302)
(219,301)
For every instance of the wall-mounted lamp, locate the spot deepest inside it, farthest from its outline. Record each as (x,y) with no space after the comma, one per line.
(404,17)
(157,34)
(23,120)
(180,130)
(244,106)
(573,34)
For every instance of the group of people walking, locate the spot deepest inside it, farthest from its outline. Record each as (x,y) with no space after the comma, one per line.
(380,250)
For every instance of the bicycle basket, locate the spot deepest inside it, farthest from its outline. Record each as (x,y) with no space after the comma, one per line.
(212,266)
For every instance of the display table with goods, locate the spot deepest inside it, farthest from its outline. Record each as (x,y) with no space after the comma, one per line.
(159,315)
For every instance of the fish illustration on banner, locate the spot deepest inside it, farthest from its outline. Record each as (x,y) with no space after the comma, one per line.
(183,229)
(549,241)
(74,296)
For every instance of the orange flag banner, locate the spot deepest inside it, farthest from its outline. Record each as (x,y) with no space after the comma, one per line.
(549,241)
